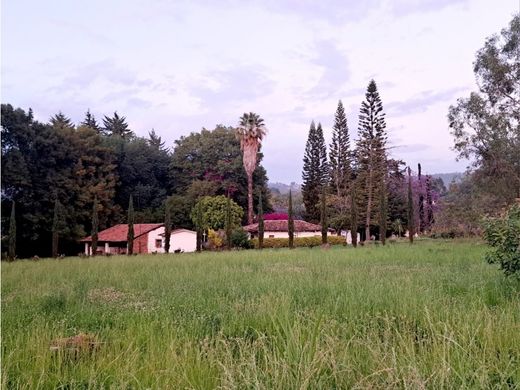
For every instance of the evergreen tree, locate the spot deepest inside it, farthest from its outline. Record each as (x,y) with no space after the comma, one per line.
(95,226)
(340,154)
(383,211)
(90,121)
(56,228)
(12,234)
(199,225)
(411,223)
(429,202)
(422,220)
(60,121)
(155,141)
(315,172)
(167,226)
(130,221)
(353,213)
(260,222)
(290,222)
(229,222)
(323,216)
(117,126)
(371,150)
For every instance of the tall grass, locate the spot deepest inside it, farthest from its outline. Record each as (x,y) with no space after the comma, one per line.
(434,315)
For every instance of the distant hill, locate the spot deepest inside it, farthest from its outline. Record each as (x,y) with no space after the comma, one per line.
(283,188)
(447,178)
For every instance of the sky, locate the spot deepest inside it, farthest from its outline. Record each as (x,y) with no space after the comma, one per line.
(179,66)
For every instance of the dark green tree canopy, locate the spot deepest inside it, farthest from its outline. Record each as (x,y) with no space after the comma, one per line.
(215,213)
(117,126)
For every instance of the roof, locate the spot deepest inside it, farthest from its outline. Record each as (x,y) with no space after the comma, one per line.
(180,231)
(119,233)
(282,226)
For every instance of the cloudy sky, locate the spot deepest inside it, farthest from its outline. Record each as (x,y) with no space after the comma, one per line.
(178,66)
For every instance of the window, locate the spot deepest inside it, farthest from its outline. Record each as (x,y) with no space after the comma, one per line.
(271,235)
(158,243)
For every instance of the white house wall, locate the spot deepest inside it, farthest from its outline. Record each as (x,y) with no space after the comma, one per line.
(184,240)
(268,234)
(155,235)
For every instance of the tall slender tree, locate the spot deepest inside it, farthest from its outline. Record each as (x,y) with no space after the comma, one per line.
(371,149)
(429,202)
(323,219)
(260,222)
(95,226)
(117,126)
(353,213)
(229,221)
(60,121)
(315,172)
(12,234)
(251,131)
(411,222)
(199,225)
(340,154)
(383,211)
(290,222)
(167,226)
(56,228)
(422,221)
(130,221)
(90,121)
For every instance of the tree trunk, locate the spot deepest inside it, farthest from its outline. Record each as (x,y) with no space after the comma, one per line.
(369,203)
(249,199)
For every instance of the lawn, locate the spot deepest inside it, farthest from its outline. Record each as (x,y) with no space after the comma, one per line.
(434,315)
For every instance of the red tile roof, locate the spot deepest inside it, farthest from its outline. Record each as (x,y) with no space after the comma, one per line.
(119,233)
(282,226)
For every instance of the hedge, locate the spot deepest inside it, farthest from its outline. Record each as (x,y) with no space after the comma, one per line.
(298,242)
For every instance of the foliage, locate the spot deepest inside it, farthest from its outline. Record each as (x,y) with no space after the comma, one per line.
(260,222)
(215,240)
(116,126)
(130,222)
(167,226)
(213,209)
(340,155)
(486,125)
(95,227)
(239,239)
(290,222)
(503,234)
(308,242)
(411,222)
(323,216)
(58,225)
(12,234)
(315,172)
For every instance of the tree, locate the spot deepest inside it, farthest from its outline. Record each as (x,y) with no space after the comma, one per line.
(90,121)
(422,220)
(290,222)
(315,172)
(486,126)
(353,213)
(340,154)
(383,211)
(130,221)
(57,226)
(167,226)
(323,219)
(371,149)
(229,222)
(117,126)
(411,222)
(155,141)
(199,224)
(95,226)
(60,121)
(260,222)
(251,131)
(214,212)
(12,234)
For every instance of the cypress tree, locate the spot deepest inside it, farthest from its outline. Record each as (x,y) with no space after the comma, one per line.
(260,222)
(429,201)
(411,223)
(130,237)
(95,226)
(290,222)
(371,149)
(12,234)
(167,226)
(229,222)
(199,226)
(56,228)
(315,172)
(323,219)
(421,201)
(340,154)
(383,211)
(353,213)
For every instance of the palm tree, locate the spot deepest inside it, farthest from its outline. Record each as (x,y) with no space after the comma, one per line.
(251,131)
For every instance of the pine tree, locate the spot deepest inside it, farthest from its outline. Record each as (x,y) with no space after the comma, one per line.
(371,149)
(130,221)
(421,200)
(229,222)
(60,121)
(117,126)
(56,228)
(323,219)
(90,121)
(290,222)
(95,226)
(353,213)
(383,211)
(411,223)
(155,141)
(167,226)
(340,154)
(315,172)
(260,222)
(12,234)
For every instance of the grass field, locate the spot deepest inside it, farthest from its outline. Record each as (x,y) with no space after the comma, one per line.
(434,315)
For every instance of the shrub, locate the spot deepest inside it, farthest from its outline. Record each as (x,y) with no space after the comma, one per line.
(308,242)
(239,239)
(215,240)
(503,234)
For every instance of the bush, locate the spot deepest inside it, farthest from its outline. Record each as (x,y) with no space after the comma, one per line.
(308,242)
(503,234)
(239,239)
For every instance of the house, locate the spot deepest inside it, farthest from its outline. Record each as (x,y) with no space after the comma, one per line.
(279,229)
(148,238)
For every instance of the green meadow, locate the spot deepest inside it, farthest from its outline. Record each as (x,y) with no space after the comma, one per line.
(432,315)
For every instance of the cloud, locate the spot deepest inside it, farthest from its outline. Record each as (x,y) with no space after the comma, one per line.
(422,101)
(407,7)
(412,148)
